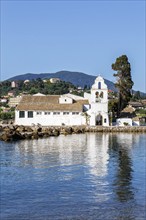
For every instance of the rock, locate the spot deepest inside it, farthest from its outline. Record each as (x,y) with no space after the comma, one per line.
(78,130)
(20,128)
(17,136)
(5,137)
(40,134)
(66,130)
(15,132)
(55,132)
(34,136)
(28,129)
(37,129)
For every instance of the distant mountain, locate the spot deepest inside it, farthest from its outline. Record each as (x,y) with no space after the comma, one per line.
(76,78)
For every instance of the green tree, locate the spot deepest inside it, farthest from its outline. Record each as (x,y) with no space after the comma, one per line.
(6,115)
(124,81)
(113,108)
(136,96)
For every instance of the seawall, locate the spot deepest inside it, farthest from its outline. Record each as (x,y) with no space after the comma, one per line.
(15,132)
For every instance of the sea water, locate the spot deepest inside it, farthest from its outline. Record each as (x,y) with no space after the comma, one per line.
(79,176)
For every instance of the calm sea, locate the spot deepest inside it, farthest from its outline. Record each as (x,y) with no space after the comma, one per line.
(84,176)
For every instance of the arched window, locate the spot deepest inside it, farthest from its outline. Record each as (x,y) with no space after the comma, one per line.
(101,95)
(97,94)
(99,85)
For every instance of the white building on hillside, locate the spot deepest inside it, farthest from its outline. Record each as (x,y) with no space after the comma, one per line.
(66,109)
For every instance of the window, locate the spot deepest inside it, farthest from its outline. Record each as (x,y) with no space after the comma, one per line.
(56,113)
(39,113)
(47,113)
(105,120)
(101,95)
(30,114)
(75,113)
(22,114)
(99,85)
(65,113)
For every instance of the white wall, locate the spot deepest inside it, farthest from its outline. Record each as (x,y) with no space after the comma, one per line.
(99,99)
(65,100)
(135,123)
(75,97)
(93,119)
(99,107)
(54,120)
(87,96)
(121,121)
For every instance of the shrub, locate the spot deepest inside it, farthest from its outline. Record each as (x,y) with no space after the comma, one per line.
(7,115)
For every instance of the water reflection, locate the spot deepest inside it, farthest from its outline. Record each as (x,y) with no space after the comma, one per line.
(85,153)
(90,149)
(97,153)
(121,147)
(88,175)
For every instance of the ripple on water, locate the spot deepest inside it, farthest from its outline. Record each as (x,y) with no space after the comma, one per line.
(86,176)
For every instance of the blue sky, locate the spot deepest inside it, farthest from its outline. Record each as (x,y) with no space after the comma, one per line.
(85,36)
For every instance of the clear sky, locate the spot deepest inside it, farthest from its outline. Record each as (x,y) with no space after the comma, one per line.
(86,36)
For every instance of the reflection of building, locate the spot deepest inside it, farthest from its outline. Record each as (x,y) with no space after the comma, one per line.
(97,147)
(66,150)
(127,140)
(66,109)
(89,149)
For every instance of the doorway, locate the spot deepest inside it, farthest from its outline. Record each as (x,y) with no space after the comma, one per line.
(99,119)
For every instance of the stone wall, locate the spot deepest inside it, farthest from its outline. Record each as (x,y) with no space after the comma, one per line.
(15,132)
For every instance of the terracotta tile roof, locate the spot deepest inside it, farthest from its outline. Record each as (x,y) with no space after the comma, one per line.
(135,119)
(129,112)
(128,109)
(48,103)
(136,104)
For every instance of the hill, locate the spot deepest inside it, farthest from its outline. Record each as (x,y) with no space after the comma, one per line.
(76,78)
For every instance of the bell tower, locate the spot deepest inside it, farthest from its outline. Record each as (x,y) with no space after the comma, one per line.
(99,91)
(99,103)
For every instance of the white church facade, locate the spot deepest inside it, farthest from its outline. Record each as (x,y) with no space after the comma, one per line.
(67,109)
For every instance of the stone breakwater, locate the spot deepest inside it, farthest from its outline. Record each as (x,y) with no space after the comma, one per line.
(15,132)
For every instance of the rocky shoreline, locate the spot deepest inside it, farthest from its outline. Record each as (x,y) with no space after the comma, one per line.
(15,132)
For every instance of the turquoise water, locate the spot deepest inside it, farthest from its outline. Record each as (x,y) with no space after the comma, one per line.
(84,176)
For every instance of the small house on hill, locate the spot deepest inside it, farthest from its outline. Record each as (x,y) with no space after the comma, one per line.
(54,80)
(128,117)
(13,102)
(14,84)
(128,112)
(136,105)
(11,93)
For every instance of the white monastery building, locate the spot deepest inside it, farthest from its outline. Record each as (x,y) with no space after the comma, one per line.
(67,109)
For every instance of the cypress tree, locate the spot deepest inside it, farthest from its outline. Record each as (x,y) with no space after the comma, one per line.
(124,81)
